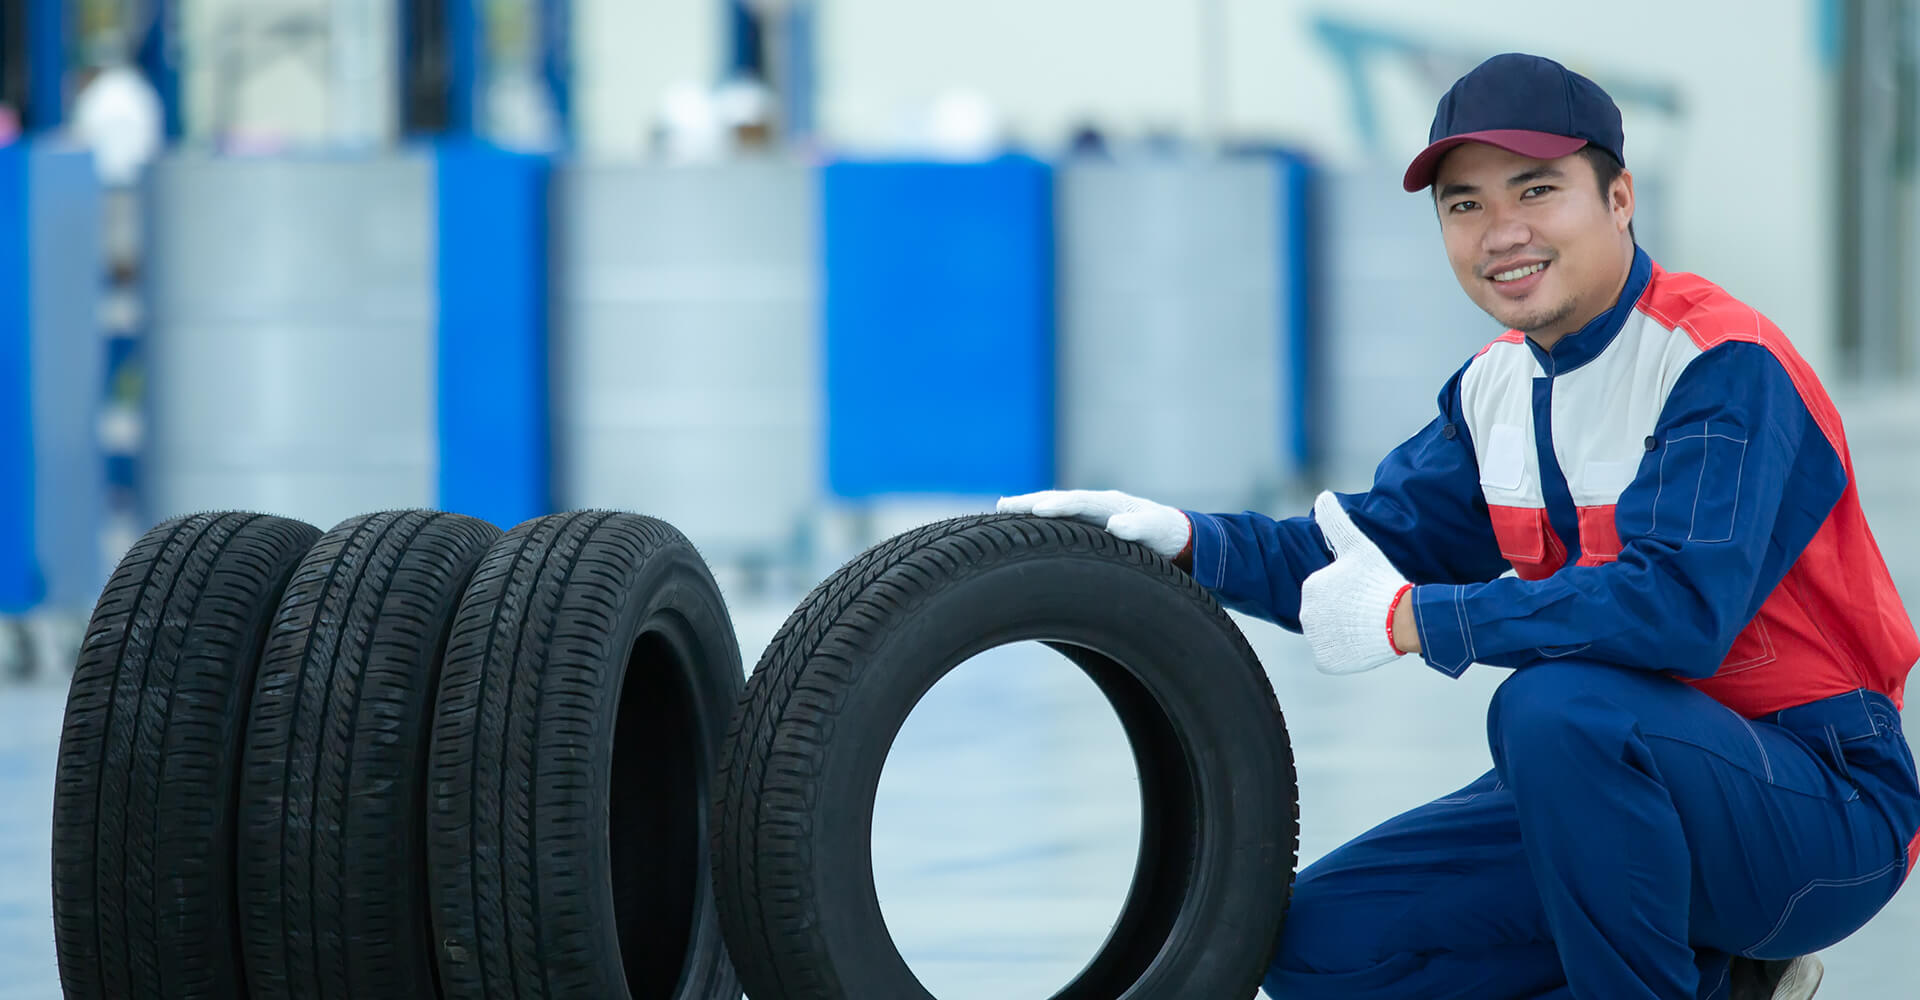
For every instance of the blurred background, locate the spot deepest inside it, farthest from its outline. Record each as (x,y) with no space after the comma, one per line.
(798,274)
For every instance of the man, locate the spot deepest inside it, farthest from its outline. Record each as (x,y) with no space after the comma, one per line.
(1698,755)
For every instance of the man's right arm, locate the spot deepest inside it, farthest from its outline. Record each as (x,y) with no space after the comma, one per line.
(1425,511)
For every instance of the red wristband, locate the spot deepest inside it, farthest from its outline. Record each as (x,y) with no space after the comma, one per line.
(1393,608)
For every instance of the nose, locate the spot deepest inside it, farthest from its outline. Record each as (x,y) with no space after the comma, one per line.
(1506,231)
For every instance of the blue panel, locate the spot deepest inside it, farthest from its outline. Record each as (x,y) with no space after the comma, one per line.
(1829,32)
(464,73)
(64,242)
(939,327)
(743,41)
(1298,284)
(20,584)
(160,60)
(46,64)
(802,49)
(556,61)
(492,260)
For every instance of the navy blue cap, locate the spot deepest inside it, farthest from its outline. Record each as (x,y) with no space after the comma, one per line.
(1523,104)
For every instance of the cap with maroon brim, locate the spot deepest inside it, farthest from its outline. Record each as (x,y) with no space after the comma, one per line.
(1535,145)
(1523,104)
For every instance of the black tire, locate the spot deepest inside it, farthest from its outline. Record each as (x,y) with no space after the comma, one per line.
(1219,806)
(148,775)
(585,692)
(332,850)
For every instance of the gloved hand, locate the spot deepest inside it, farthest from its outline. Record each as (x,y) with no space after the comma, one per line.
(1345,606)
(1159,527)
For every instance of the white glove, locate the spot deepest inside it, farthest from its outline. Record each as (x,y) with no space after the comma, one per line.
(1344,605)
(1159,527)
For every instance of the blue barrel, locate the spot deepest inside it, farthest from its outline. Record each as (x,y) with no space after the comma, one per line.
(939,327)
(52,368)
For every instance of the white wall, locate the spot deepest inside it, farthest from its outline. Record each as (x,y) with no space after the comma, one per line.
(336,87)
(627,54)
(1133,64)
(1745,174)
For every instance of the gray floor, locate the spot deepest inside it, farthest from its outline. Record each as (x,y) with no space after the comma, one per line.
(29,742)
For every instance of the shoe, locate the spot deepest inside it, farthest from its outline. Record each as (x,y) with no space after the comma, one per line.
(1776,979)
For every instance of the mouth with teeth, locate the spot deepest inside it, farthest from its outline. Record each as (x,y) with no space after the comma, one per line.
(1517,281)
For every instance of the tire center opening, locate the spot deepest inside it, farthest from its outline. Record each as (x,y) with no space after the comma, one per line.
(655,817)
(1007,827)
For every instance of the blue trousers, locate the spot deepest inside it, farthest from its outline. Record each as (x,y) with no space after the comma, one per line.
(1632,836)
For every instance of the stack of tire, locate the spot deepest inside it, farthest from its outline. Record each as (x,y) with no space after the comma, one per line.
(415,756)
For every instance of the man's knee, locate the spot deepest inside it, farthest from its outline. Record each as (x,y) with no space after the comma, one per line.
(1549,711)
(1354,933)
(1329,927)
(1530,707)
(1365,904)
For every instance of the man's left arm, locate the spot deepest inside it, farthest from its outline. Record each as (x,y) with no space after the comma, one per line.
(1739,480)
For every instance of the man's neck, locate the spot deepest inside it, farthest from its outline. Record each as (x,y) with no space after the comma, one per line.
(1545,341)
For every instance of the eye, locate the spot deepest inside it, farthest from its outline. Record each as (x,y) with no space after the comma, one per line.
(1460,206)
(1542,188)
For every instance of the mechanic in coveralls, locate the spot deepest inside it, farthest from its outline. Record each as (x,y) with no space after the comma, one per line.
(1699,772)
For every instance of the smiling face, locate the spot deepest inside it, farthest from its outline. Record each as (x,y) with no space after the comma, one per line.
(1534,242)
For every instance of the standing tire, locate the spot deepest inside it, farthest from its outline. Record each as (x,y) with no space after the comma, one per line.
(147,781)
(332,852)
(1219,806)
(582,702)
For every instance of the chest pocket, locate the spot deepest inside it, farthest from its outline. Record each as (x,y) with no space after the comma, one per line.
(1597,491)
(1503,462)
(1527,541)
(1514,503)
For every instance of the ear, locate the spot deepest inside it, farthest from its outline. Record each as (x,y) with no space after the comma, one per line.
(1620,200)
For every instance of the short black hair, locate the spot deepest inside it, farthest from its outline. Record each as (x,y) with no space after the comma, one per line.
(1606,170)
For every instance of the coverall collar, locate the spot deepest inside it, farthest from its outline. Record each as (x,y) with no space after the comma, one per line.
(1585,344)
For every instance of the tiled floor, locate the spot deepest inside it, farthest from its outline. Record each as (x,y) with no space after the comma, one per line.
(29,744)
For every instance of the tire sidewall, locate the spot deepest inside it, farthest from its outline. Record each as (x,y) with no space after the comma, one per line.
(670,591)
(1172,639)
